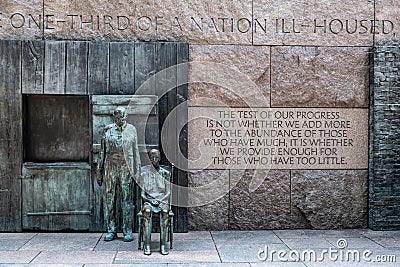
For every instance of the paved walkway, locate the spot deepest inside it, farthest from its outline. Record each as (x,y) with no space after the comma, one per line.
(203,248)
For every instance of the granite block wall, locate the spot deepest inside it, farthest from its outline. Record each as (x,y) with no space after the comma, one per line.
(384,180)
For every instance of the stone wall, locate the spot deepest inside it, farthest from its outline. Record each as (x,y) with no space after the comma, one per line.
(288,76)
(298,54)
(384,191)
(243,22)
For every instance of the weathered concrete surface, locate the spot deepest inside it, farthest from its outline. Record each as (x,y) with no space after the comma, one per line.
(388,13)
(319,77)
(329,199)
(192,21)
(210,216)
(321,23)
(235,75)
(267,207)
(21,19)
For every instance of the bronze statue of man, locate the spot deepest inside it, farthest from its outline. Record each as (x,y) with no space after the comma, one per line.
(155,195)
(119,160)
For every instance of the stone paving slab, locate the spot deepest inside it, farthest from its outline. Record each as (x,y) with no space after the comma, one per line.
(14,241)
(193,245)
(388,242)
(307,233)
(344,233)
(385,252)
(245,237)
(75,257)
(13,244)
(128,265)
(173,257)
(299,233)
(117,244)
(179,245)
(209,264)
(297,244)
(278,264)
(343,258)
(63,241)
(349,264)
(17,256)
(248,252)
(41,265)
(197,235)
(372,234)
(387,239)
(17,236)
(354,242)
(196,249)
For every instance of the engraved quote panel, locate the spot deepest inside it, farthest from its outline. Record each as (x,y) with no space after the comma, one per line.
(278,138)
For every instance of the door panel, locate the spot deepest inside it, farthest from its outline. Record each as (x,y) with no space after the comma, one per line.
(10,135)
(56,196)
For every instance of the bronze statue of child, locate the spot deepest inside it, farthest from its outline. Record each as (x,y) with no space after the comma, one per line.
(155,197)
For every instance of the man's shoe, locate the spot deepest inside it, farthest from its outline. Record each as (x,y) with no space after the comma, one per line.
(147,250)
(110,236)
(128,237)
(163,250)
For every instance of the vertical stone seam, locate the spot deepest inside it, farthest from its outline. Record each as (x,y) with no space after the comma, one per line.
(373,35)
(21,132)
(290,199)
(44,65)
(371,138)
(43,19)
(109,68)
(270,76)
(252,22)
(229,200)
(87,68)
(65,65)
(20,67)
(134,67)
